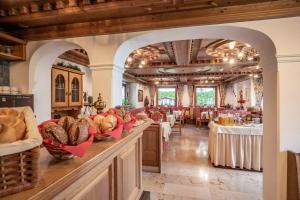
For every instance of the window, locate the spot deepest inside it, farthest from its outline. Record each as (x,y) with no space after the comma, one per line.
(124,96)
(166,96)
(205,96)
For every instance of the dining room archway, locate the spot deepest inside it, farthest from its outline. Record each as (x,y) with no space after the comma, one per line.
(268,62)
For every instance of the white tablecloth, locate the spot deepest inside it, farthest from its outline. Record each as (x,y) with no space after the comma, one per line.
(236,146)
(177,113)
(171,119)
(166,130)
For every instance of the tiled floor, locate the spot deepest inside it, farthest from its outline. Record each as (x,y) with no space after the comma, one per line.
(187,173)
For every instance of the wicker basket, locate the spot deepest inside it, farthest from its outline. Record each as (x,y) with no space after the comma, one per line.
(19,171)
(19,161)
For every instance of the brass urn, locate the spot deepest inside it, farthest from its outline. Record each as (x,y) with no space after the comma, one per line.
(99,105)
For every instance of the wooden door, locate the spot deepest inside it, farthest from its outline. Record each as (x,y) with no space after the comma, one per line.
(75,89)
(129,173)
(59,90)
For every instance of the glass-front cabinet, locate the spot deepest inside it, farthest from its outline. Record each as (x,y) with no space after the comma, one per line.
(66,88)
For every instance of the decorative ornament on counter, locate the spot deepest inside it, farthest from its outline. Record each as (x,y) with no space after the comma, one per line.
(99,104)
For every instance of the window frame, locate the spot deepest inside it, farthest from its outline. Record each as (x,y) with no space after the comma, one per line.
(125,89)
(158,87)
(195,94)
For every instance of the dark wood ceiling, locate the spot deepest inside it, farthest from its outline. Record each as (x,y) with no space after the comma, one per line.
(200,60)
(48,19)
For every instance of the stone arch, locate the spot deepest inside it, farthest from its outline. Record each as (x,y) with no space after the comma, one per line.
(267,50)
(40,66)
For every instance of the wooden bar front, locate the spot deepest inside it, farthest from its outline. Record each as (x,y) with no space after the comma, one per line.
(109,170)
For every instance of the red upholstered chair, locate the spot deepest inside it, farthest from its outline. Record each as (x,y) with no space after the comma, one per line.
(157,116)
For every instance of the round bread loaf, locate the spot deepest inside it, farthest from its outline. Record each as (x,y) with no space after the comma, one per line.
(66,122)
(78,132)
(108,123)
(55,132)
(98,119)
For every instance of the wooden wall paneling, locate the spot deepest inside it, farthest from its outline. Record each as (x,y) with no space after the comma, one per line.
(292,177)
(96,184)
(152,149)
(129,177)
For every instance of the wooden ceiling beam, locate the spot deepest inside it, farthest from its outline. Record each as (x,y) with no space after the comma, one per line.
(172,65)
(257,11)
(205,74)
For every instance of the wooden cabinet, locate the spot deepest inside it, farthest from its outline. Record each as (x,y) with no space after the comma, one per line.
(12,48)
(66,89)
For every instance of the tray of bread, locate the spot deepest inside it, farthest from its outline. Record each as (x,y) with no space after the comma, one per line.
(66,137)
(108,126)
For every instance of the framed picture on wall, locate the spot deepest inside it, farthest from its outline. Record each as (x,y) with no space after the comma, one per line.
(140,96)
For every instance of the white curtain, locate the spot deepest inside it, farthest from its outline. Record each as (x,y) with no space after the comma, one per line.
(180,94)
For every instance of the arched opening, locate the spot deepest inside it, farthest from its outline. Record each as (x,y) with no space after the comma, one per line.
(263,44)
(40,66)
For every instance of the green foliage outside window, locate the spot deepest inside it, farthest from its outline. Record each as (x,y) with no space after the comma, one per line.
(166,93)
(205,96)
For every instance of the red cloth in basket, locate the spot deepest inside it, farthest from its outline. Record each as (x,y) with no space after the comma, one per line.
(78,150)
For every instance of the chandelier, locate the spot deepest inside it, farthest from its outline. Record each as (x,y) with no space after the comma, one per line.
(140,57)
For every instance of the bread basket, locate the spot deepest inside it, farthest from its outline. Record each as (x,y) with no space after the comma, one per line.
(19,161)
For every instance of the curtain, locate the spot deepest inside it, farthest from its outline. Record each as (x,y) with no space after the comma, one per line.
(152,94)
(258,90)
(191,94)
(180,94)
(222,89)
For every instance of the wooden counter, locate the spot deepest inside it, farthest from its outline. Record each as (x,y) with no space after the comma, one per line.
(109,170)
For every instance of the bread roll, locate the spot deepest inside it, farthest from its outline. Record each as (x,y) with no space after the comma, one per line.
(66,122)
(98,119)
(7,134)
(56,133)
(14,119)
(127,118)
(108,123)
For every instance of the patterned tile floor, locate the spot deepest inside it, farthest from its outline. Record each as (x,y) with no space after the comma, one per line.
(187,173)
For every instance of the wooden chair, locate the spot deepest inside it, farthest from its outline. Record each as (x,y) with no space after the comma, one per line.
(178,124)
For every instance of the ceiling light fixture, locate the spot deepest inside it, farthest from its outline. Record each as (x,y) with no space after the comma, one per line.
(250,75)
(126,66)
(240,54)
(255,76)
(225,59)
(231,61)
(138,52)
(156,82)
(232,44)
(143,62)
(206,81)
(140,66)
(250,58)
(257,67)
(129,59)
(213,81)
(247,45)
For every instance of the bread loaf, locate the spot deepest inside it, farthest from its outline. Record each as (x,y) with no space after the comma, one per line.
(13,125)
(78,132)
(66,122)
(55,132)
(108,123)
(127,118)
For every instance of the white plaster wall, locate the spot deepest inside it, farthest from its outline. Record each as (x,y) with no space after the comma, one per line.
(289,98)
(134,87)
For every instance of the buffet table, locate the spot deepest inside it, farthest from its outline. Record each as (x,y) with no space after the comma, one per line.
(236,146)
(109,170)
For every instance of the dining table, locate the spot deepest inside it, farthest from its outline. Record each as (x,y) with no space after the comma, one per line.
(171,119)
(165,129)
(238,146)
